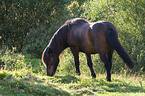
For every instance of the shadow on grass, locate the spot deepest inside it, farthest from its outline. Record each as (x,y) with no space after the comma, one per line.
(67,79)
(101,85)
(119,86)
(28,86)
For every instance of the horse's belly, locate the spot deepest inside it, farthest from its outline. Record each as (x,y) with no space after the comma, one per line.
(83,46)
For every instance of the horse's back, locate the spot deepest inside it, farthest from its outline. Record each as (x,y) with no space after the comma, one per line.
(80,37)
(102,26)
(90,37)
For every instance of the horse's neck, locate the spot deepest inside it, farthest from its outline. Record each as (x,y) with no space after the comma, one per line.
(58,42)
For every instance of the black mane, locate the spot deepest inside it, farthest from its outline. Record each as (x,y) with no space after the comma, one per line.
(58,41)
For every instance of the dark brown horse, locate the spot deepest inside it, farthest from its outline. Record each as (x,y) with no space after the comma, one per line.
(90,38)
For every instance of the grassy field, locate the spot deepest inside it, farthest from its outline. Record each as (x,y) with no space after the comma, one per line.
(25,83)
(24,75)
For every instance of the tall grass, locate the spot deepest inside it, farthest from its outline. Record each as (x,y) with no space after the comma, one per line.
(12,61)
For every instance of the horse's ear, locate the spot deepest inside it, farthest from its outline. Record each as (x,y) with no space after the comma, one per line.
(49,50)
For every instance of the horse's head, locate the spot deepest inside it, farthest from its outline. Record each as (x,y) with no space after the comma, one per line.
(50,60)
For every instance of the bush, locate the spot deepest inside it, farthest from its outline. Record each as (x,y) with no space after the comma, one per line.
(12,61)
(18,17)
(128,17)
(36,41)
(25,63)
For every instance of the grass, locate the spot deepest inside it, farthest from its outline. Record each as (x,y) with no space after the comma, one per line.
(24,75)
(25,84)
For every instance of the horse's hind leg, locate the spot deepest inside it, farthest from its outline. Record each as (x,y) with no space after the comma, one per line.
(108,64)
(90,64)
(76,59)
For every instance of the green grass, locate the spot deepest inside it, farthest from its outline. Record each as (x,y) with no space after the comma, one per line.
(24,75)
(24,84)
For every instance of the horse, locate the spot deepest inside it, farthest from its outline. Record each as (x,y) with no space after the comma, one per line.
(90,38)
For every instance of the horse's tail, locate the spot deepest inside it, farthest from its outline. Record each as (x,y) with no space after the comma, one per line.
(112,39)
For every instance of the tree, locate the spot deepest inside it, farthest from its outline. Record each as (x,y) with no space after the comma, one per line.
(18,17)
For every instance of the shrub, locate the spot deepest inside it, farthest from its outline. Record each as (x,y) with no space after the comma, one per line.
(128,17)
(12,61)
(25,63)
(36,41)
(19,16)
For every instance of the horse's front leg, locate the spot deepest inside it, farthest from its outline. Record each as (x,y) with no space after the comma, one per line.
(75,52)
(90,64)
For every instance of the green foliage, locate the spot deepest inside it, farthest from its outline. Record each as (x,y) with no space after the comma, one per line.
(66,65)
(128,17)
(18,17)
(74,9)
(13,61)
(36,41)
(2,75)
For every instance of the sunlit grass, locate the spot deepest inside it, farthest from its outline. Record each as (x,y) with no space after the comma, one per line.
(29,78)
(35,84)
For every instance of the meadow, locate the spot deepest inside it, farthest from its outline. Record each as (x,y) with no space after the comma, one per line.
(25,75)
(24,84)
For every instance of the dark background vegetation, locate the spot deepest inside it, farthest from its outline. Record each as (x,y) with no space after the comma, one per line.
(26,26)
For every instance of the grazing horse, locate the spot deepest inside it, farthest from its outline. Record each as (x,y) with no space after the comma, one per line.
(89,38)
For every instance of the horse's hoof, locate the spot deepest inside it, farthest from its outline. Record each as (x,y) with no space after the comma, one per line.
(109,80)
(93,75)
(78,74)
